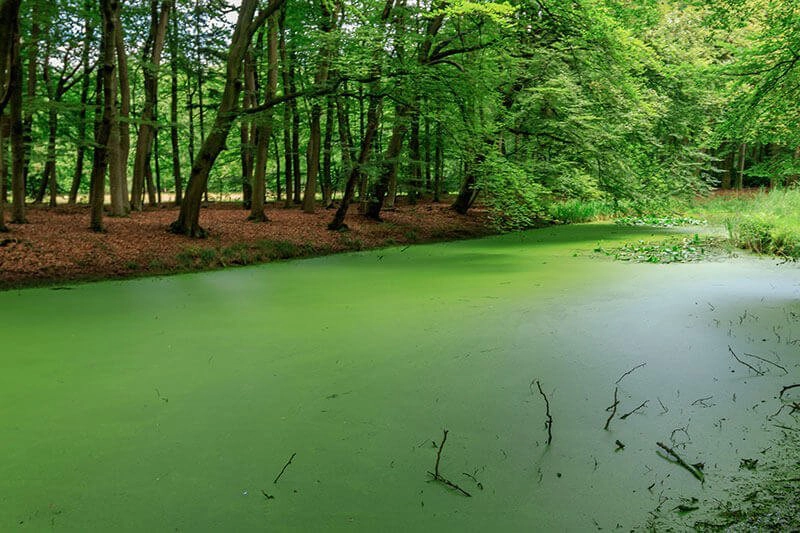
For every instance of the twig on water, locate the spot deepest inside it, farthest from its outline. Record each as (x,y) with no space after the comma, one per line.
(473,478)
(696,472)
(613,408)
(786,372)
(549,422)
(664,407)
(629,372)
(787,387)
(284,468)
(438,477)
(751,367)
(702,401)
(629,413)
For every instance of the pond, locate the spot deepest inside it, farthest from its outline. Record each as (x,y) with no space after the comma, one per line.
(173,404)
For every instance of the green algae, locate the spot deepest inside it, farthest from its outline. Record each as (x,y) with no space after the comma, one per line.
(172,403)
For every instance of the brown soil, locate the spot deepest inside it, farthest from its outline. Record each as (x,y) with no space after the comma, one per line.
(57,246)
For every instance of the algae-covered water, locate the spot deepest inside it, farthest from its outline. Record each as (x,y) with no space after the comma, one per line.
(172,404)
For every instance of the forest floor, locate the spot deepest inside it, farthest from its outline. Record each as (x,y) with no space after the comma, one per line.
(56,246)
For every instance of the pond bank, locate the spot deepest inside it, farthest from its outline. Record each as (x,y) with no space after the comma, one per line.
(57,247)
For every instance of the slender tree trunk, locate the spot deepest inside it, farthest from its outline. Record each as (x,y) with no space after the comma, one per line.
(427,145)
(326,183)
(33,62)
(3,135)
(438,164)
(315,131)
(173,108)
(295,133)
(188,222)
(119,136)
(109,10)
(14,93)
(264,128)
(248,131)
(278,185)
(50,164)
(740,174)
(383,186)
(86,78)
(287,112)
(415,183)
(151,60)
(357,169)
(10,85)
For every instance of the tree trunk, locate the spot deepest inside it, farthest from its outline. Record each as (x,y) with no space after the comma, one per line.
(740,175)
(14,98)
(119,145)
(357,169)
(438,164)
(109,9)
(151,60)
(388,176)
(10,84)
(173,108)
(326,183)
(27,121)
(264,128)
(188,222)
(287,112)
(86,78)
(415,181)
(248,131)
(295,134)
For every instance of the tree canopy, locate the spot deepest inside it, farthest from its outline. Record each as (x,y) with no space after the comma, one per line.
(516,104)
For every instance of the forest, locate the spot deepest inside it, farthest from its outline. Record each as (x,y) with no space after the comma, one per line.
(336,104)
(518,265)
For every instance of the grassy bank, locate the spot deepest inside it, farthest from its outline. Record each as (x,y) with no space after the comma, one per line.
(766,222)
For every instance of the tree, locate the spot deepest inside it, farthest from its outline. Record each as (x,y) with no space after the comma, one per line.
(9,61)
(188,222)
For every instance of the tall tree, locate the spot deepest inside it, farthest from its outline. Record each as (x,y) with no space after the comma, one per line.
(188,222)
(151,61)
(264,124)
(9,62)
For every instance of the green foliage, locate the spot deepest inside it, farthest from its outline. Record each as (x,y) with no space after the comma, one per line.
(673,249)
(767,223)
(515,199)
(573,211)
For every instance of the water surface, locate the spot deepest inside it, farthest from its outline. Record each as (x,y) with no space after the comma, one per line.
(170,404)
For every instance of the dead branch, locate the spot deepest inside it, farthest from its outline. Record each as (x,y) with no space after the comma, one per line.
(787,387)
(613,408)
(284,468)
(786,372)
(438,477)
(664,407)
(629,413)
(751,367)
(549,422)
(696,472)
(702,401)
(629,372)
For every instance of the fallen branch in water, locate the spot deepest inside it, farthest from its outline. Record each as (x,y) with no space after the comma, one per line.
(613,408)
(677,459)
(751,367)
(787,387)
(284,468)
(629,372)
(438,477)
(629,413)
(786,372)
(549,422)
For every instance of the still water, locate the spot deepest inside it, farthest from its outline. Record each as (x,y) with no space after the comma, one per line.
(172,404)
